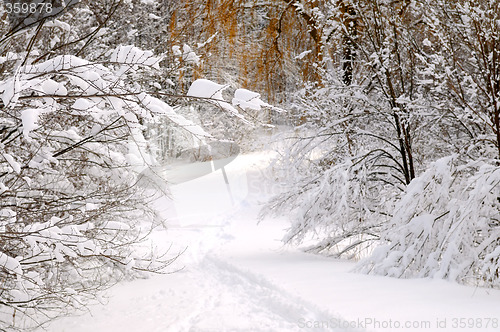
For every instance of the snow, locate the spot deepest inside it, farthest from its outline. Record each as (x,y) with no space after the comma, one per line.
(157,106)
(29,118)
(10,90)
(10,264)
(427,42)
(13,163)
(248,99)
(203,88)
(187,53)
(235,275)
(189,56)
(52,87)
(208,41)
(83,104)
(59,63)
(176,50)
(302,55)
(56,23)
(132,55)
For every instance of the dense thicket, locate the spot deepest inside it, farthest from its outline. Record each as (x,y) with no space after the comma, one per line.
(77,102)
(411,82)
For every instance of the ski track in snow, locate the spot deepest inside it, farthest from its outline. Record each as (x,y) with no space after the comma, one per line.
(234,299)
(235,295)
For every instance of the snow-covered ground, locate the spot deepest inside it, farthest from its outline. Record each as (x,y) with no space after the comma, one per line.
(237,276)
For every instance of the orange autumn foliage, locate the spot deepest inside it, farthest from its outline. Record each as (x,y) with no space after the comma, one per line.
(258,44)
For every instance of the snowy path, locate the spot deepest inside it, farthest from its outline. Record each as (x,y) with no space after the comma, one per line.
(236,300)
(236,276)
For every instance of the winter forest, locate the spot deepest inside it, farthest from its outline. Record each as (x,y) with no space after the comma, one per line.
(376,124)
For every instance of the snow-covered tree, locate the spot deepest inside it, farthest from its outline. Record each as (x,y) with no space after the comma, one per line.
(446,223)
(71,208)
(73,198)
(366,122)
(415,93)
(81,122)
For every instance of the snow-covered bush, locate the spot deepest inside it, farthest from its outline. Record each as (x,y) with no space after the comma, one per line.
(339,182)
(335,211)
(446,225)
